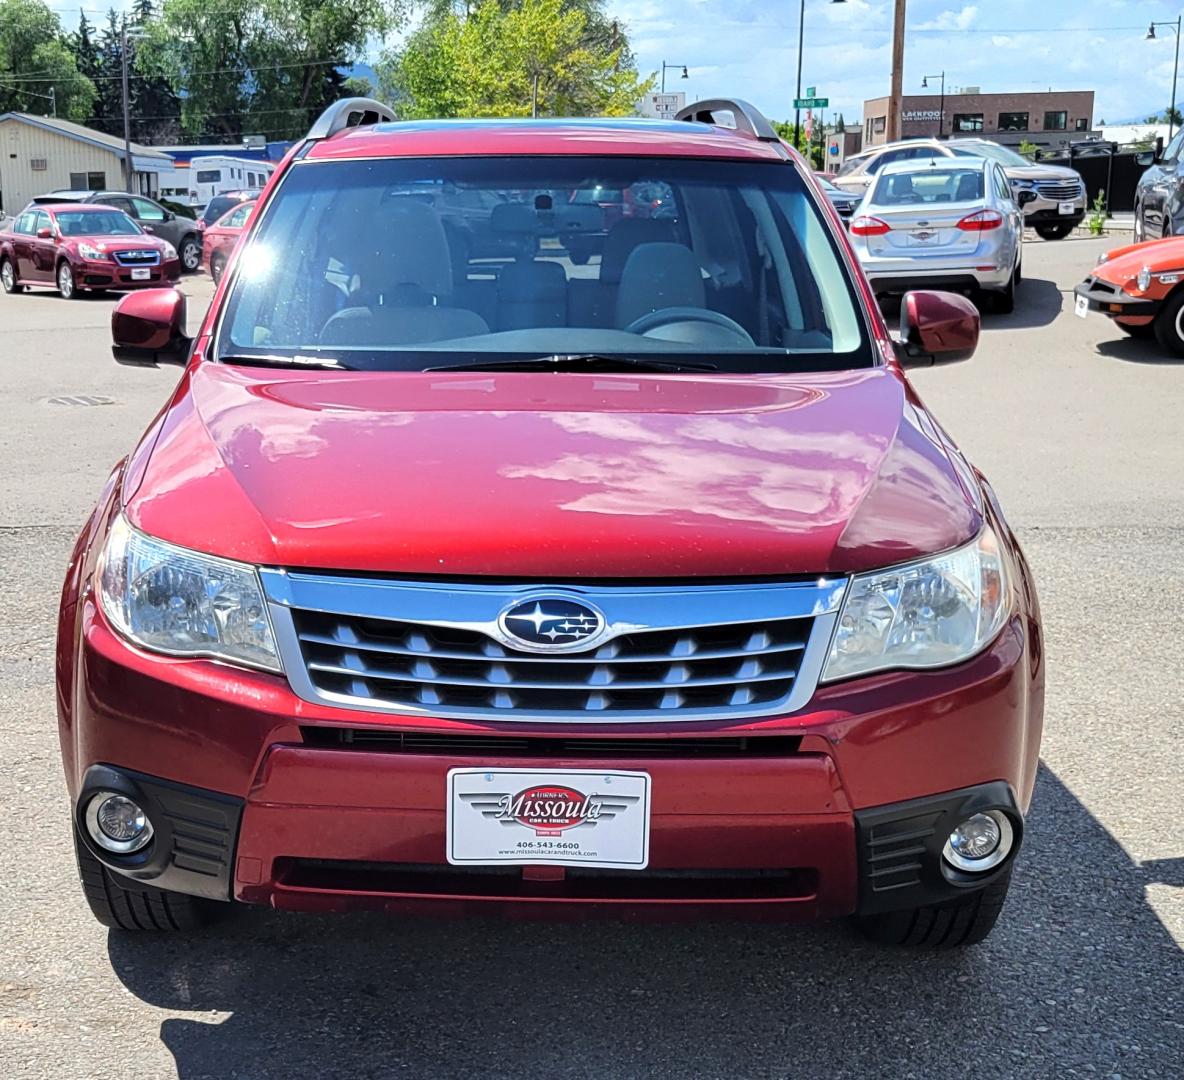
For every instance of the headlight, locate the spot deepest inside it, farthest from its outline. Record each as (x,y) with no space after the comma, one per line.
(89,251)
(1143,278)
(170,252)
(924,614)
(171,600)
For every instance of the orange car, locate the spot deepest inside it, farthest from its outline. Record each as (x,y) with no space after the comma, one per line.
(1139,287)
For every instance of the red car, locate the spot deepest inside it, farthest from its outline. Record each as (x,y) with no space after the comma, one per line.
(1140,287)
(218,240)
(76,248)
(642,587)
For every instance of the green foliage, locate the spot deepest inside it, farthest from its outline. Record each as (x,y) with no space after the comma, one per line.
(1097,218)
(35,59)
(259,66)
(494,58)
(814,153)
(1028,149)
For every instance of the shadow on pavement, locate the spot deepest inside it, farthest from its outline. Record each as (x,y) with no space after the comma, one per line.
(1037,303)
(1137,351)
(1080,976)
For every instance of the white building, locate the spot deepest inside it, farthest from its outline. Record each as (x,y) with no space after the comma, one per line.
(41,153)
(661,106)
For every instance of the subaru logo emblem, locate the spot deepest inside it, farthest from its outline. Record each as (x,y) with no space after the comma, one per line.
(550,624)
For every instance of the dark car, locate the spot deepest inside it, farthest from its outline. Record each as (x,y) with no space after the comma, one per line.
(1159,196)
(220,205)
(644,586)
(843,201)
(151,216)
(79,248)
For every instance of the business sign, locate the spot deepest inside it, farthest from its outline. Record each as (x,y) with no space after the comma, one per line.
(922,114)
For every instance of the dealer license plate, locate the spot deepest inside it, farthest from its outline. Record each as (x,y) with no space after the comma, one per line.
(1081,307)
(560,817)
(1066,208)
(141,273)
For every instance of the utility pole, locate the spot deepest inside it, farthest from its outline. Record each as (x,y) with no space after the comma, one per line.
(797,113)
(896,94)
(127,120)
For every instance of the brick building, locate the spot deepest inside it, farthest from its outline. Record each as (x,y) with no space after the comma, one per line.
(1048,119)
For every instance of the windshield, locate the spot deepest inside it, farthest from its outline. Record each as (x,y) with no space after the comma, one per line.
(218,206)
(410,263)
(95,223)
(993,151)
(928,185)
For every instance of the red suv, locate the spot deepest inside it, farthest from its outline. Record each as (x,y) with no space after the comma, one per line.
(646,585)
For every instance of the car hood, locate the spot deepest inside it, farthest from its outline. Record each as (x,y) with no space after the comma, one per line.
(1040,172)
(550,476)
(105,242)
(1123,264)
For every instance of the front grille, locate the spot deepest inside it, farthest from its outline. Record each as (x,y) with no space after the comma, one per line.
(660,652)
(412,664)
(548,748)
(137,258)
(577,883)
(1097,285)
(1059,189)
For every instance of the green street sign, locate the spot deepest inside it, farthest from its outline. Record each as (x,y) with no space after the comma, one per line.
(811,91)
(811,103)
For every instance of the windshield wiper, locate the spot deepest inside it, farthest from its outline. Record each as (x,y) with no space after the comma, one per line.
(316,363)
(579,362)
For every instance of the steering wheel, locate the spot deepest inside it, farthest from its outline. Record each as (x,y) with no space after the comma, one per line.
(672,316)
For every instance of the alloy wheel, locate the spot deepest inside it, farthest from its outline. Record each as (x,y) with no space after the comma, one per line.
(8,277)
(190,255)
(66,281)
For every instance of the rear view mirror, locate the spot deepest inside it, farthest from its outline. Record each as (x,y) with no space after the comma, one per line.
(148,328)
(936,328)
(1022,198)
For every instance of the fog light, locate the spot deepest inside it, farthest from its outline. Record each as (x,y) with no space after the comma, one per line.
(116,823)
(981,842)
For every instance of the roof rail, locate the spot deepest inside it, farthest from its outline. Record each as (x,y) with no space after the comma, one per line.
(747,118)
(347,113)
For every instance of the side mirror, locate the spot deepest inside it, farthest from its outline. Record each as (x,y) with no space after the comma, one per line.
(1024,197)
(170,216)
(44,234)
(148,228)
(148,328)
(936,328)
(1145,158)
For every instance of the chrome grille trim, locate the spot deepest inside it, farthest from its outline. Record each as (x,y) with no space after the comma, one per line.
(670,653)
(147,257)
(1059,189)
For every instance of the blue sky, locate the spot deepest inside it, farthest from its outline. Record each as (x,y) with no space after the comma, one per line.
(748,48)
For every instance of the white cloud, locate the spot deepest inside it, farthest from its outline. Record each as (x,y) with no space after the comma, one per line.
(951,20)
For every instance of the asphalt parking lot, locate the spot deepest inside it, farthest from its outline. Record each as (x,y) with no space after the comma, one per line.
(1078,428)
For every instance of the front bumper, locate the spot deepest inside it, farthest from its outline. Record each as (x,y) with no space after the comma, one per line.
(780,821)
(108,275)
(1111,300)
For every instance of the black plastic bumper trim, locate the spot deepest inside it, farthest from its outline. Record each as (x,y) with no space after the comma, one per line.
(1108,302)
(194,832)
(900,845)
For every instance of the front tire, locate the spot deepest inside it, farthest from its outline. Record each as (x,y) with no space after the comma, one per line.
(217,267)
(948,925)
(1169,324)
(8,277)
(66,285)
(190,254)
(1005,300)
(1053,232)
(123,904)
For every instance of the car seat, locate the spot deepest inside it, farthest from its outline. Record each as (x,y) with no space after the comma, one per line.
(657,276)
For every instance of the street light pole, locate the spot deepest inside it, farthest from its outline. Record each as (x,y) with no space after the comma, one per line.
(665,66)
(941,109)
(797,113)
(1175,27)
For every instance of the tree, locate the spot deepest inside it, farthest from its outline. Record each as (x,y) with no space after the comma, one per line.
(528,56)
(37,68)
(259,66)
(840,127)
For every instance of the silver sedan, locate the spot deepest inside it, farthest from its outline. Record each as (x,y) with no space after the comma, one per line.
(942,223)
